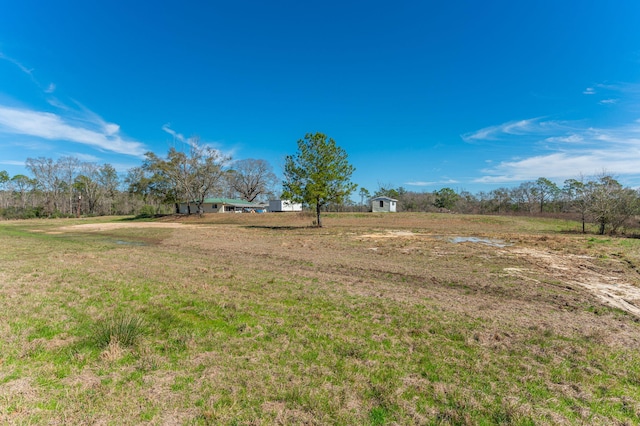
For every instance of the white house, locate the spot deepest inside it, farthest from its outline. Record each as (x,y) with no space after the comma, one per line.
(383,204)
(222,205)
(284,206)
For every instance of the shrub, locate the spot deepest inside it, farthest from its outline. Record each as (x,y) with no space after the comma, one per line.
(146,211)
(21,213)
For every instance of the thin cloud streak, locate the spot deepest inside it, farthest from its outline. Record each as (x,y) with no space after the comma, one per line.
(419,183)
(50,126)
(191,141)
(12,163)
(176,135)
(425,183)
(18,64)
(88,158)
(51,87)
(515,128)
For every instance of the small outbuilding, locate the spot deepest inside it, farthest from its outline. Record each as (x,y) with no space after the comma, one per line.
(284,206)
(222,205)
(383,204)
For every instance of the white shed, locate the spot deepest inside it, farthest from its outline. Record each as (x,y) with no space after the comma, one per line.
(284,206)
(383,204)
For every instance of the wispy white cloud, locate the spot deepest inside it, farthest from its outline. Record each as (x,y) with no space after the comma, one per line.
(433,183)
(28,71)
(419,183)
(622,88)
(566,139)
(613,93)
(71,122)
(88,158)
(177,136)
(584,151)
(23,68)
(515,128)
(192,141)
(565,149)
(12,163)
(608,101)
(561,166)
(93,132)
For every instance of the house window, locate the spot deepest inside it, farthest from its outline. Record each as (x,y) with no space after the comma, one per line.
(381,203)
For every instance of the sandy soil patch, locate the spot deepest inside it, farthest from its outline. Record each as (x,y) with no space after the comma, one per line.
(581,271)
(571,269)
(389,234)
(97,227)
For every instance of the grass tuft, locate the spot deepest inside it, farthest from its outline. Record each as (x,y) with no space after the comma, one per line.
(122,331)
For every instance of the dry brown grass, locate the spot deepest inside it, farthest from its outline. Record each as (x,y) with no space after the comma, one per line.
(262,319)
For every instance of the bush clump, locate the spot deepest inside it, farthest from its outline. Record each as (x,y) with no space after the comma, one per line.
(146,211)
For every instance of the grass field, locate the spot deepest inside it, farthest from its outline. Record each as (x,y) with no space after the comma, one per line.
(373,319)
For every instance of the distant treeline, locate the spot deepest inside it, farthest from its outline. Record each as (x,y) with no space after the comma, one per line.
(68,187)
(599,200)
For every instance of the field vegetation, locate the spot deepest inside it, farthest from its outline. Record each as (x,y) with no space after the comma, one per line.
(263,319)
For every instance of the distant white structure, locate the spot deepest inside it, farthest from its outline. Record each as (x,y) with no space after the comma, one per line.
(284,206)
(221,205)
(383,204)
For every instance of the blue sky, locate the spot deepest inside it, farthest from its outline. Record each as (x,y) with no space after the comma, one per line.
(421,94)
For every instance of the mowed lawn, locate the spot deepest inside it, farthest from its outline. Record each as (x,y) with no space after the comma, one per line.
(261,319)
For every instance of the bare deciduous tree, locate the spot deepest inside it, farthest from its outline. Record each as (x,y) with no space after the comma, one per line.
(46,174)
(68,170)
(252,178)
(609,203)
(194,175)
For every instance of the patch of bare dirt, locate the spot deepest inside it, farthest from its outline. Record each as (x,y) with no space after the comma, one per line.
(85,380)
(580,270)
(390,234)
(97,227)
(570,269)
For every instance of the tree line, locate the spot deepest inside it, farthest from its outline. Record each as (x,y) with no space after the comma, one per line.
(69,187)
(599,200)
(318,175)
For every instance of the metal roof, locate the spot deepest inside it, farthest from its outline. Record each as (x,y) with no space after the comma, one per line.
(384,197)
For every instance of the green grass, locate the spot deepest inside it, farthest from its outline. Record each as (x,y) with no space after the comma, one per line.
(231,335)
